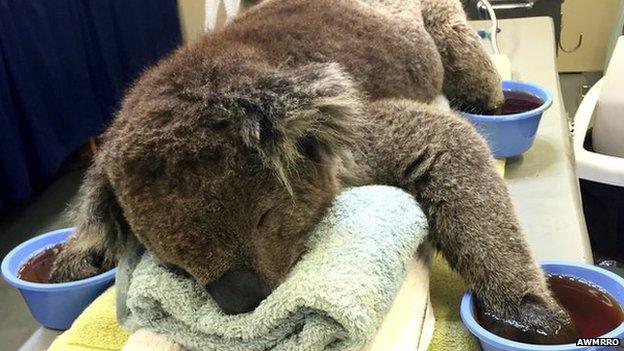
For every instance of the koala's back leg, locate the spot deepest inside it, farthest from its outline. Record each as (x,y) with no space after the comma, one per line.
(440,159)
(404,18)
(470,78)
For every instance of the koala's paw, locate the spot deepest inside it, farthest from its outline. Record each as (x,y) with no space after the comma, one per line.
(492,102)
(71,265)
(547,318)
(538,319)
(488,99)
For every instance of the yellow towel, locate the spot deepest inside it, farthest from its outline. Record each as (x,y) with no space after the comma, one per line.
(500,163)
(447,288)
(95,329)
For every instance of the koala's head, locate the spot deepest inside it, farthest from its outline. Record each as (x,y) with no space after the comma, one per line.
(223,169)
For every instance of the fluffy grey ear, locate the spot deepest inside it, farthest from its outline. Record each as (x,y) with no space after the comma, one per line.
(309,112)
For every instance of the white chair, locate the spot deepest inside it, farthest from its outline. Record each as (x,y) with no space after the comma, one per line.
(602,112)
(600,166)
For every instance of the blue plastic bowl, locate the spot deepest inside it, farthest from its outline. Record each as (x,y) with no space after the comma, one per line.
(610,282)
(512,135)
(55,306)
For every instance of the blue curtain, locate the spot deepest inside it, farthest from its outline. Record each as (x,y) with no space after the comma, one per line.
(64,65)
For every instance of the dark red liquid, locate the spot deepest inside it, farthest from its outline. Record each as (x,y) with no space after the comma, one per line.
(593,311)
(38,268)
(519,101)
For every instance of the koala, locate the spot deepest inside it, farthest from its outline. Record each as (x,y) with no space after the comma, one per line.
(225,154)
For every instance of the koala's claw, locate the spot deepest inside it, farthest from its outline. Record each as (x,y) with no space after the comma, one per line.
(71,265)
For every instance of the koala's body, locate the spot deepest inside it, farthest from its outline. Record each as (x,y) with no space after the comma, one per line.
(224,155)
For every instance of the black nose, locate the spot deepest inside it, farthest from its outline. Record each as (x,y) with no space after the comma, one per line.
(239,290)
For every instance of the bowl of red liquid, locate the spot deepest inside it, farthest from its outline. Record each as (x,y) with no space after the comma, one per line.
(511,130)
(592,296)
(55,305)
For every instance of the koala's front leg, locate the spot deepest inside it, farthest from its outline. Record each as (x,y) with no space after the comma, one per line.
(470,78)
(93,247)
(446,165)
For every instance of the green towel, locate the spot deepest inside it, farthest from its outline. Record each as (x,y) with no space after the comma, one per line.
(334,299)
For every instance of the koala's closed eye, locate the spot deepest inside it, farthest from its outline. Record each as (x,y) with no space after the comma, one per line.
(262,220)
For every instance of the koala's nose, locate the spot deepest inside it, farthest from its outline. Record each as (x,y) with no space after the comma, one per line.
(239,290)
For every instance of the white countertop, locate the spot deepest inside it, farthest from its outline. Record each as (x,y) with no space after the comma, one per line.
(543,182)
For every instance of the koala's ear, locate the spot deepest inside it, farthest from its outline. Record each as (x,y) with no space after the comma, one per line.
(312,111)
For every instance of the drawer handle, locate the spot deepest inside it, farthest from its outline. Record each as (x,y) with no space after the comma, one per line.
(509,6)
(578,45)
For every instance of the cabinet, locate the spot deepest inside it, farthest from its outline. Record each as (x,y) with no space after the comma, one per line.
(598,21)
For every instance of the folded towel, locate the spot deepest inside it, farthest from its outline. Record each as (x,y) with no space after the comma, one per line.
(95,329)
(334,299)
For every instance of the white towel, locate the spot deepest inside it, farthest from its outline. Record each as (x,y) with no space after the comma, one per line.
(212,11)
